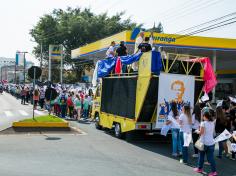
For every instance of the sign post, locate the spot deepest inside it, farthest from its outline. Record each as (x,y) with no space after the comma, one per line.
(33,89)
(55,57)
(49,63)
(61,76)
(34,73)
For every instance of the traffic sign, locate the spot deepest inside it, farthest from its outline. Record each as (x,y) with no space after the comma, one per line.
(37,71)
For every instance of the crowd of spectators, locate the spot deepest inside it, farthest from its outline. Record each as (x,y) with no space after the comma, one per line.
(69,104)
(204,124)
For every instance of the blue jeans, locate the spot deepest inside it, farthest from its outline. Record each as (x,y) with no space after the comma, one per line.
(85,113)
(209,151)
(184,149)
(221,147)
(176,144)
(63,111)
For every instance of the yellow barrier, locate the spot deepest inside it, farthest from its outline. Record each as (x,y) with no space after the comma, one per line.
(41,124)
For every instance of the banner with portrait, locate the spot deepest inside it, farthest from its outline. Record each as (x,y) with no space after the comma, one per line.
(173,87)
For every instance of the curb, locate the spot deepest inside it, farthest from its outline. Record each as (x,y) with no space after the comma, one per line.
(41,124)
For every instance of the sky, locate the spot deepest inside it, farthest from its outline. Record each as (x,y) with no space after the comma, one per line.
(17,17)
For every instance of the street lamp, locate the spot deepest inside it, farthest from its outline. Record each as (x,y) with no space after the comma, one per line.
(24,52)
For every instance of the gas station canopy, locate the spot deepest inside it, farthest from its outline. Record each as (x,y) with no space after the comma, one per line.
(221,51)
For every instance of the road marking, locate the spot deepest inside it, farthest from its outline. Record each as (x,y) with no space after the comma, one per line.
(39,112)
(23,113)
(8,113)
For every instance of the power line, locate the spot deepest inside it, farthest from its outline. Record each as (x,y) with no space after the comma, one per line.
(215,29)
(172,11)
(211,25)
(177,11)
(192,10)
(207,29)
(202,24)
(182,5)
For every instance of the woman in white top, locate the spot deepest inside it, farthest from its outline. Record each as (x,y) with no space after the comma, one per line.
(173,120)
(185,120)
(207,128)
(196,119)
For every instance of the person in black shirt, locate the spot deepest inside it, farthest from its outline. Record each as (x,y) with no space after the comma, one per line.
(122,51)
(145,47)
(233,116)
(222,123)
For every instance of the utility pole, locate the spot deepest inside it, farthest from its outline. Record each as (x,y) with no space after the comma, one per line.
(61,76)
(49,63)
(1,73)
(15,72)
(41,58)
(24,67)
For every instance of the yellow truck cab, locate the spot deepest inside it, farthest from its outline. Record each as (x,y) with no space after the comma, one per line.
(96,103)
(129,101)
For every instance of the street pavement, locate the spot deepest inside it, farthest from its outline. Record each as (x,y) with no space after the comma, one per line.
(94,153)
(12,110)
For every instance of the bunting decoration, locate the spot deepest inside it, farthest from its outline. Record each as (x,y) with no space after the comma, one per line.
(118,66)
(209,75)
(105,66)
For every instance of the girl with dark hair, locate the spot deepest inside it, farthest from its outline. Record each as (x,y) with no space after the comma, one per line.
(222,123)
(196,119)
(35,98)
(185,121)
(77,106)
(206,133)
(70,105)
(173,119)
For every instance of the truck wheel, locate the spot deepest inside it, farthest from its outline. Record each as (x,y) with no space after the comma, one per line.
(97,122)
(118,132)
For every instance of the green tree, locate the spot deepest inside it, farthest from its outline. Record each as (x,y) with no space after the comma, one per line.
(158,29)
(74,28)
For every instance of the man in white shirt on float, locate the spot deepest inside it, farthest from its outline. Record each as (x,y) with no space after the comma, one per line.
(138,41)
(111,50)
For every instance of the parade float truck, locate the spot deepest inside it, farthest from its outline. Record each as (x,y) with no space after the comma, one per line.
(142,100)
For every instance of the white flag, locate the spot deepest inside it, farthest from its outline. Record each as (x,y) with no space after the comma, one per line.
(205,97)
(232,99)
(174,121)
(223,136)
(233,146)
(95,75)
(165,129)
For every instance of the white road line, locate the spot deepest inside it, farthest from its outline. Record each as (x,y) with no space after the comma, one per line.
(8,113)
(39,112)
(23,113)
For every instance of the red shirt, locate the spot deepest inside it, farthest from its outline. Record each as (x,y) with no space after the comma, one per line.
(69,102)
(82,97)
